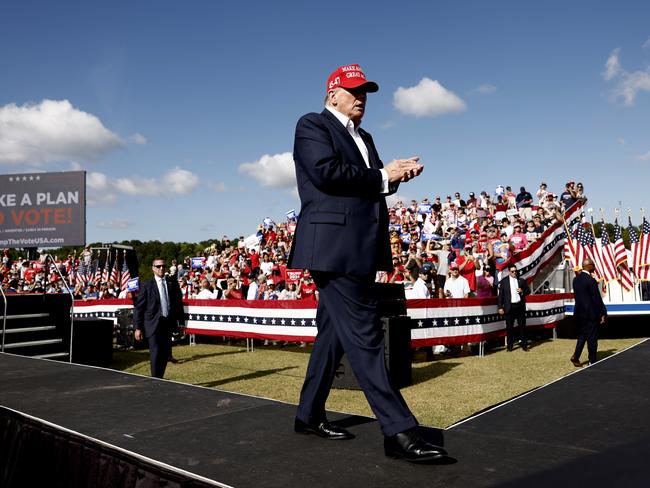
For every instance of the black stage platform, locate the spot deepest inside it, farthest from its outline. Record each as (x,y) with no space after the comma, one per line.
(591,428)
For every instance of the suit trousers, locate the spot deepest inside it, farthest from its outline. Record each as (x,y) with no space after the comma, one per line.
(160,347)
(348,323)
(589,334)
(516,313)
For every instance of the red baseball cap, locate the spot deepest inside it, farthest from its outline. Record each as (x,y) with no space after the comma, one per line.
(350,76)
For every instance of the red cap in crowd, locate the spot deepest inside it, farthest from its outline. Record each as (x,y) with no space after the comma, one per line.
(350,76)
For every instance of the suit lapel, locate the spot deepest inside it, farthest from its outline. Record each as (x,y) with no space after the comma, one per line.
(155,291)
(372,156)
(338,126)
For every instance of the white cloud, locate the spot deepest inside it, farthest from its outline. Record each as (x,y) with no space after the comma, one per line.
(277,171)
(427,99)
(486,89)
(138,186)
(102,190)
(646,44)
(644,157)
(99,190)
(177,181)
(180,181)
(621,141)
(627,84)
(218,186)
(138,138)
(612,65)
(52,130)
(631,84)
(116,223)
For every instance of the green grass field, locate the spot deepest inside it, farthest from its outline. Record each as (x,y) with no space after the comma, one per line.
(444,391)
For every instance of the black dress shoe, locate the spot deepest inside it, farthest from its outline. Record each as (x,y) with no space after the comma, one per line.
(525,347)
(576,362)
(408,445)
(323,429)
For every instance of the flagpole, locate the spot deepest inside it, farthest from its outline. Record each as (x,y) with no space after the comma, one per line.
(636,280)
(604,229)
(590,211)
(566,228)
(616,212)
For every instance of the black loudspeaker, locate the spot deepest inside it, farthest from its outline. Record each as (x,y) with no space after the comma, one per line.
(397,336)
(92,342)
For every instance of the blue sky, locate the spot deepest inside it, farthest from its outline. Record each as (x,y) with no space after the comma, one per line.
(183,112)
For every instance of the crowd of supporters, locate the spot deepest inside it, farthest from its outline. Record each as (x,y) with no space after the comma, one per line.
(443,248)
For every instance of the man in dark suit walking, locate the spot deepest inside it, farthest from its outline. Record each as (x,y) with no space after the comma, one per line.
(589,312)
(157,312)
(511,300)
(342,238)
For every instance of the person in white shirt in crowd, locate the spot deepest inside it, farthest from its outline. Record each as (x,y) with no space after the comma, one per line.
(531,233)
(266,266)
(507,227)
(541,193)
(421,286)
(456,286)
(206,292)
(443,266)
(254,288)
(290,292)
(211,262)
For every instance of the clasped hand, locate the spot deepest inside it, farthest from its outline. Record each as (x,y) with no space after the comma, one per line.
(403,170)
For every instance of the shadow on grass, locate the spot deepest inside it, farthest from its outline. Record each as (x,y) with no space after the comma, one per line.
(433,370)
(605,354)
(211,355)
(248,376)
(125,359)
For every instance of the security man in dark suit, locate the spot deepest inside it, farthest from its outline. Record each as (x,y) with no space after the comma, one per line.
(158,311)
(589,312)
(511,300)
(342,238)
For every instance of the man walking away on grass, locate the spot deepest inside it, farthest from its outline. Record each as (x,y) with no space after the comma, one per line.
(589,312)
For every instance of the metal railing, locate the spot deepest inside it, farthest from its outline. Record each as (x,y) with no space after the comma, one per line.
(4,318)
(65,283)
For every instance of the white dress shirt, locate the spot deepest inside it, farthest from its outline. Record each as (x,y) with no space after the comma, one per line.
(514,295)
(164,296)
(363,149)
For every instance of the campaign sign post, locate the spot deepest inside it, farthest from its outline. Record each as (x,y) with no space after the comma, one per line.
(43,209)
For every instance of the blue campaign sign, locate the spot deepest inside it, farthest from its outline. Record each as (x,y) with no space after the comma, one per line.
(424,208)
(133,284)
(198,262)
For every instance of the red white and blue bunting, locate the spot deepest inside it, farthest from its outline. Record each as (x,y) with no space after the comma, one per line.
(434,321)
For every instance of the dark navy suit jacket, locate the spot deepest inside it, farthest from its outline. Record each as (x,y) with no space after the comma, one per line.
(146,307)
(343,221)
(589,302)
(504,298)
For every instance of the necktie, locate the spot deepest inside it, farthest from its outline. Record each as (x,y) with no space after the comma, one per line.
(164,301)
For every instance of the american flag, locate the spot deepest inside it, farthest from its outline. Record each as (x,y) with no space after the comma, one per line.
(98,272)
(115,274)
(607,253)
(620,255)
(635,247)
(572,249)
(126,276)
(588,242)
(644,245)
(82,273)
(106,273)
